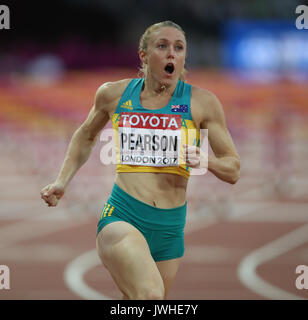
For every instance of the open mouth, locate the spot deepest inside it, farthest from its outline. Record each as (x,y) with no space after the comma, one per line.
(169,68)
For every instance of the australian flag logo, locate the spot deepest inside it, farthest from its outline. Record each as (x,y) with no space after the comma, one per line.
(179,108)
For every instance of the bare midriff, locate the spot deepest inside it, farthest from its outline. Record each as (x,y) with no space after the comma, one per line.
(162,190)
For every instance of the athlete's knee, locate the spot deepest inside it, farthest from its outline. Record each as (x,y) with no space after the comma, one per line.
(150,293)
(152,289)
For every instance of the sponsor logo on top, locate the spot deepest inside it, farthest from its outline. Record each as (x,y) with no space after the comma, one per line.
(150,139)
(127,105)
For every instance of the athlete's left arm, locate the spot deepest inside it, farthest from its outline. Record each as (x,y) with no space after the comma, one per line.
(225,165)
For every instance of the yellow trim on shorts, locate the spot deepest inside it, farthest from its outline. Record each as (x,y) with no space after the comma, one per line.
(110,212)
(103,210)
(107,209)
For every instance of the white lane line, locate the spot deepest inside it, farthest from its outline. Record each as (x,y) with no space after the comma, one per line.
(247,267)
(75,270)
(30,229)
(38,253)
(79,287)
(73,276)
(39,225)
(242,212)
(213,254)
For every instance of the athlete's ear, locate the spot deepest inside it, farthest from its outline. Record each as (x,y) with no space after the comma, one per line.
(142,56)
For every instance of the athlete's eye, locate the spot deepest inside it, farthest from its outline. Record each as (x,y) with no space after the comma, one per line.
(179,48)
(162,46)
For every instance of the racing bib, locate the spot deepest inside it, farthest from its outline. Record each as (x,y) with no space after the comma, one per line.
(149,139)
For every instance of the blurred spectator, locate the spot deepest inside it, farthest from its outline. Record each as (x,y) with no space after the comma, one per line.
(100,33)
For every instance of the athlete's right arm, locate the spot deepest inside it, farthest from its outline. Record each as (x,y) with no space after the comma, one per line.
(82,142)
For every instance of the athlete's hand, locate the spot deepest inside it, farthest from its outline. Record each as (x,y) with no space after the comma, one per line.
(194,157)
(52,193)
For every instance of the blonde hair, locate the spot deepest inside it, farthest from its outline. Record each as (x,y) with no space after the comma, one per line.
(144,42)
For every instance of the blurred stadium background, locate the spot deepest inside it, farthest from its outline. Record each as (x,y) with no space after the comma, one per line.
(243,241)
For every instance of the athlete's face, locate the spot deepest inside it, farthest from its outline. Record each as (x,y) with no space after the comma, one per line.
(165,57)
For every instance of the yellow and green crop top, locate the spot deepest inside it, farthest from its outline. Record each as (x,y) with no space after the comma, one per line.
(151,140)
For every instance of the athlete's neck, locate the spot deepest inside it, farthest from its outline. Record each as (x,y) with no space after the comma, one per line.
(155,88)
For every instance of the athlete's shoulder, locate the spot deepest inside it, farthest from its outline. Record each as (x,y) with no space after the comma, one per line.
(202,95)
(111,91)
(205,103)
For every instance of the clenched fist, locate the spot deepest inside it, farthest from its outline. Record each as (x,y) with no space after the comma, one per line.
(194,157)
(52,193)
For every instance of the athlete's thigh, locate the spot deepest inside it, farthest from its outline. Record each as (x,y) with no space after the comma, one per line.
(126,254)
(168,270)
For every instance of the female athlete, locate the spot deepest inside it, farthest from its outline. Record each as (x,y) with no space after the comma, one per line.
(140,235)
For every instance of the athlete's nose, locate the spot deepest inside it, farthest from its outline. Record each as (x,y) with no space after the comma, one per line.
(170,52)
